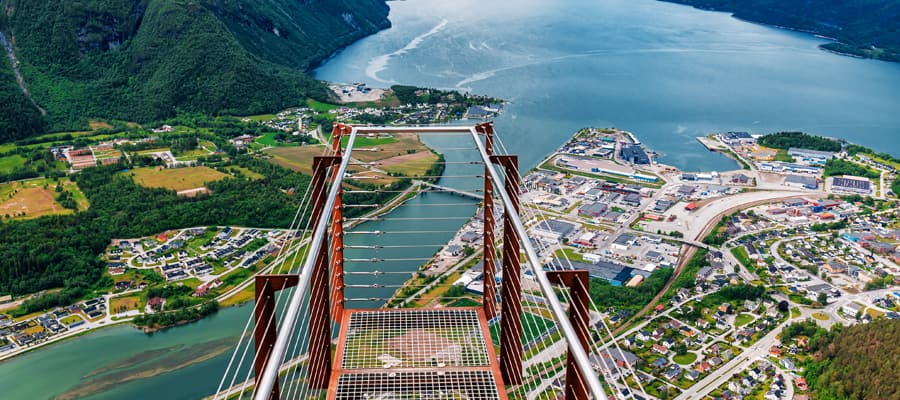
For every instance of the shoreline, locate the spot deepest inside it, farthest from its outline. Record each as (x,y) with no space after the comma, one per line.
(821,47)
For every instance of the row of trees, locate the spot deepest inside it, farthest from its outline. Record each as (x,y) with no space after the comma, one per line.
(838,167)
(786,140)
(606,295)
(171,318)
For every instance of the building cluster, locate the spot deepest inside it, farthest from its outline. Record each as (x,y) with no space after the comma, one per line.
(801,211)
(597,199)
(682,344)
(609,152)
(38,329)
(177,261)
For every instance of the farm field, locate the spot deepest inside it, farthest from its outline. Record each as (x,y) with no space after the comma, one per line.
(123,304)
(402,144)
(30,199)
(177,179)
(415,164)
(296,158)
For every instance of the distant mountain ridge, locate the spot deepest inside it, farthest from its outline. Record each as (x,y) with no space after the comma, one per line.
(143,60)
(864,28)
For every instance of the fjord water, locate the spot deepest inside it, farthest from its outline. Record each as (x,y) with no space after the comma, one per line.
(663,71)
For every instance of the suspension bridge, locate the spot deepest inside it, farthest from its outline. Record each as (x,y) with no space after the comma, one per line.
(528,339)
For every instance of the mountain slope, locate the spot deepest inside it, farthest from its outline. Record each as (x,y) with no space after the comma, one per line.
(865,28)
(143,60)
(18,116)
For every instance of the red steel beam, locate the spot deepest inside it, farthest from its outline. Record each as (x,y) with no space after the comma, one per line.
(319,293)
(577,281)
(264,331)
(511,289)
(490,247)
(337,231)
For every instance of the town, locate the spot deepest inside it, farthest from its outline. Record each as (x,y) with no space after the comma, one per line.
(779,254)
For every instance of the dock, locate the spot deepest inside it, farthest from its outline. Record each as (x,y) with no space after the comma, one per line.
(710,144)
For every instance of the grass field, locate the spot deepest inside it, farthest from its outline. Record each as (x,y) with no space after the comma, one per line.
(416,164)
(261,117)
(685,359)
(573,255)
(175,178)
(743,319)
(246,172)
(151,151)
(533,326)
(77,195)
(267,139)
(740,253)
(71,319)
(402,144)
(820,316)
(123,304)
(30,200)
(192,154)
(363,141)
(10,163)
(295,158)
(321,107)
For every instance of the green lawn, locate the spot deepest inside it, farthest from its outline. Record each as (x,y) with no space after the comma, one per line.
(261,117)
(783,156)
(533,326)
(743,319)
(741,254)
(685,359)
(70,320)
(10,163)
(321,107)
(246,172)
(464,303)
(571,254)
(267,139)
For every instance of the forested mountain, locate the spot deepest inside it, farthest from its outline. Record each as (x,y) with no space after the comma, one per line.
(866,28)
(142,60)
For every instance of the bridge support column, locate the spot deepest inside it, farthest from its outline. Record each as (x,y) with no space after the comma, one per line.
(264,331)
(490,246)
(579,316)
(511,289)
(319,293)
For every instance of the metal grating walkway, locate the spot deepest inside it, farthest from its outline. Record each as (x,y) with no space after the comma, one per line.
(414,354)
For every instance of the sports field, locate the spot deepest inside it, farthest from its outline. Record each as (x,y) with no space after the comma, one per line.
(533,327)
(177,179)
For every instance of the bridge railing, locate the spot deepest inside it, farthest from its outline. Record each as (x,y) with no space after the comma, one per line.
(318,241)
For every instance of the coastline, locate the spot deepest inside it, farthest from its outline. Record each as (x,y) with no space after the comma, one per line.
(62,339)
(814,33)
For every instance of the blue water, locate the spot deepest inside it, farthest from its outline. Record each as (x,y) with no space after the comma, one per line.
(664,71)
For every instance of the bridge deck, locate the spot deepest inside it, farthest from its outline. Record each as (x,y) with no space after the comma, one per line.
(420,353)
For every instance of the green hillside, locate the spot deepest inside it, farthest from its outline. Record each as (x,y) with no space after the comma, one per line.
(143,60)
(859,362)
(865,28)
